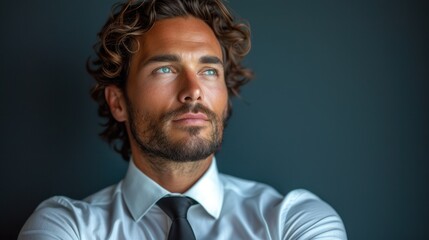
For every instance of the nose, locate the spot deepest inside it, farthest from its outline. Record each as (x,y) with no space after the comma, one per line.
(190,88)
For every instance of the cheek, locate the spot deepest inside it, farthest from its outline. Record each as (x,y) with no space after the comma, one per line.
(218,98)
(151,98)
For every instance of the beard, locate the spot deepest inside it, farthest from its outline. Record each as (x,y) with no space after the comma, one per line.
(152,137)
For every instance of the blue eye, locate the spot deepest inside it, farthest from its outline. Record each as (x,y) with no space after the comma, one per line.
(163,70)
(210,72)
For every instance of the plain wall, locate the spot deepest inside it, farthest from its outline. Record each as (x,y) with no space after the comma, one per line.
(339,106)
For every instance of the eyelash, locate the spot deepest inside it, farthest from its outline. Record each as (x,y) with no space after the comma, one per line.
(171,70)
(159,69)
(215,72)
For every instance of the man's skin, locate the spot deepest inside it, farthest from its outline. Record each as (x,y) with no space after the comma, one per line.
(191,73)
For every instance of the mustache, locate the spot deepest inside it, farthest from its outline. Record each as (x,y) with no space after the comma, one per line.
(186,108)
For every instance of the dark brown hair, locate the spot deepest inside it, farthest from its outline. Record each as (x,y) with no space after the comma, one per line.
(118,38)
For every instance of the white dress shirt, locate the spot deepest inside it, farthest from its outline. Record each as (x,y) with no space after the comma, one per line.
(228,208)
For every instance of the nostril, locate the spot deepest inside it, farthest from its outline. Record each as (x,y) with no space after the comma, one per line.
(190,93)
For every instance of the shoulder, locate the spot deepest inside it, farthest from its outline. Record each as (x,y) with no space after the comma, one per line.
(299,215)
(246,188)
(303,215)
(61,217)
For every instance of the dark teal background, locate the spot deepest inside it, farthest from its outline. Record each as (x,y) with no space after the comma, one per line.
(339,106)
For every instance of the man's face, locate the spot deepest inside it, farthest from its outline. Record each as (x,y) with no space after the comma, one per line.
(176,94)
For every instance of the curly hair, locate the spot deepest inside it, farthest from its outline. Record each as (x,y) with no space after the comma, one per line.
(117,41)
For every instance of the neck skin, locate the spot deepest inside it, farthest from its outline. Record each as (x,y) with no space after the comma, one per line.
(176,177)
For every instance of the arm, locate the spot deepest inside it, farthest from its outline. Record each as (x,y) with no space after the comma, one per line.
(305,216)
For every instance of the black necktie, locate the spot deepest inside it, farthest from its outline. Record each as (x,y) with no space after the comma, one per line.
(177,208)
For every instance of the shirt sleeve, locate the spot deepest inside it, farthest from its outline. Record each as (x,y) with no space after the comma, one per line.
(305,216)
(52,219)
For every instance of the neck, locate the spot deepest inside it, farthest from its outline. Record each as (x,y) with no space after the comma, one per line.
(176,177)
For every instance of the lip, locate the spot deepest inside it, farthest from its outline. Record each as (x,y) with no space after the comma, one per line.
(191,117)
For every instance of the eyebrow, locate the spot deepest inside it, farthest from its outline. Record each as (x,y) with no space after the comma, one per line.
(210,60)
(163,58)
(176,58)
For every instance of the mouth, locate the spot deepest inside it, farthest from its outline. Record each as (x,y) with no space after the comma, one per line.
(191,119)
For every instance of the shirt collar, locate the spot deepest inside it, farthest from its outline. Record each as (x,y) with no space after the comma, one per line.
(141,192)
(208,191)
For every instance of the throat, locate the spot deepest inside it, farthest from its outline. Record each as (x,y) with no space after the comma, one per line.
(176,177)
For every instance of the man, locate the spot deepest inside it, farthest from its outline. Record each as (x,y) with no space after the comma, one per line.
(165,72)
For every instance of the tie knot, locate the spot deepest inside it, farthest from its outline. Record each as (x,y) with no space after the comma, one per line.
(175,207)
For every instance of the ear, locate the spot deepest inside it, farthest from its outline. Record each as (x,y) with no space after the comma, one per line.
(116,100)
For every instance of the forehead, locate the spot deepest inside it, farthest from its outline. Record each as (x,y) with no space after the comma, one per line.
(179,35)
